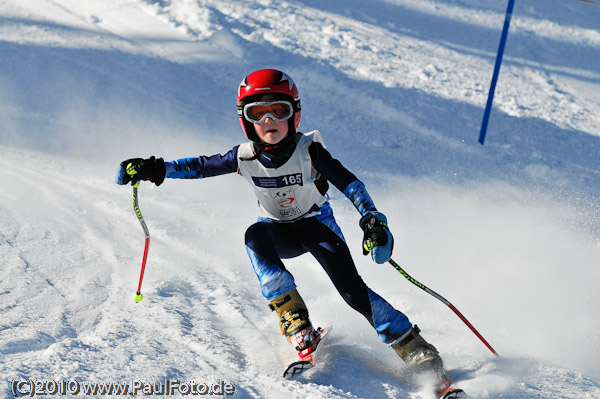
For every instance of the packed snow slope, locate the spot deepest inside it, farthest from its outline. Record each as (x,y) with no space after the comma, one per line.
(508,232)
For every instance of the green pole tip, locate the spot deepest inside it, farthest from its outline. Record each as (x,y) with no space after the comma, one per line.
(137,297)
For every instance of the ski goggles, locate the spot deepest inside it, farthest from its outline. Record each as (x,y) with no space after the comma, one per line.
(258,112)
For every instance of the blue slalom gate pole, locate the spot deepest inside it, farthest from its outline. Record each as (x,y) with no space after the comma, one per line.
(490,100)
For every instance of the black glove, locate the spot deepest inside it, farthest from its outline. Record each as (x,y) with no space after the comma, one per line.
(136,169)
(377,239)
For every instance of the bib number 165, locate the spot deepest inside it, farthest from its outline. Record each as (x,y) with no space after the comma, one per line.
(290,180)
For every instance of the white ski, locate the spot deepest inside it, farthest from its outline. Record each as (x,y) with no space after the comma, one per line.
(296,368)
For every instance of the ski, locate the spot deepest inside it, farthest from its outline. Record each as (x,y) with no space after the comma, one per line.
(445,389)
(298,367)
(455,394)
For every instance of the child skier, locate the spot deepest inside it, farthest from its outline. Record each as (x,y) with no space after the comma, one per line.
(289,172)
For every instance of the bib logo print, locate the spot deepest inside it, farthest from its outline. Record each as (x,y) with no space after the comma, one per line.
(285,202)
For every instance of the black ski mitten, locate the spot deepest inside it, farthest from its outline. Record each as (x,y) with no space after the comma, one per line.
(136,169)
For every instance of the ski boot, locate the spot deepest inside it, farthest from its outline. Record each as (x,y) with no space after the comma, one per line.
(417,352)
(294,322)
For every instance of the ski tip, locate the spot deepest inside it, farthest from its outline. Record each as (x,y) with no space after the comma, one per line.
(455,393)
(300,366)
(324,330)
(296,369)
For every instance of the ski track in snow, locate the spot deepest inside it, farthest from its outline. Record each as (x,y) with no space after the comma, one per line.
(508,232)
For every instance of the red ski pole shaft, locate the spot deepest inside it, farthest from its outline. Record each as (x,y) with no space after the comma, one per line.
(464,319)
(138,295)
(445,301)
(146,246)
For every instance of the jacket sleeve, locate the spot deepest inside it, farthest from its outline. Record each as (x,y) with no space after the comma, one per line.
(341,178)
(203,166)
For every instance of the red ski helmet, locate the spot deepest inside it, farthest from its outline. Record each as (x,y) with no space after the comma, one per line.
(268,85)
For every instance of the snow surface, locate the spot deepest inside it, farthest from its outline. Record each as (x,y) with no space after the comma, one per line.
(509,232)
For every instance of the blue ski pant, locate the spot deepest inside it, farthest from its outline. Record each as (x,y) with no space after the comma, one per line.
(267,243)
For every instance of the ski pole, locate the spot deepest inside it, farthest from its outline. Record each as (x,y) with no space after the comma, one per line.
(490,100)
(445,301)
(137,297)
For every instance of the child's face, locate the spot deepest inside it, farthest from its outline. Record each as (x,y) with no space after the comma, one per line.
(271,132)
